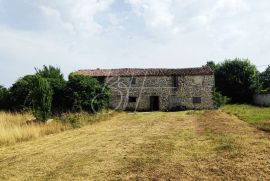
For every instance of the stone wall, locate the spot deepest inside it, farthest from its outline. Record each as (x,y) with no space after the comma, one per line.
(170,97)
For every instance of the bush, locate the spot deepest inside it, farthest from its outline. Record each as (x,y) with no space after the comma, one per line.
(237,79)
(265,80)
(219,99)
(19,94)
(57,82)
(41,96)
(85,93)
(3,97)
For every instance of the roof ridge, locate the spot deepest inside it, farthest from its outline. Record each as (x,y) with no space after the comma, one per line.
(204,70)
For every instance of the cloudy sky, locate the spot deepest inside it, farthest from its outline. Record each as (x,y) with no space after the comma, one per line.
(82,34)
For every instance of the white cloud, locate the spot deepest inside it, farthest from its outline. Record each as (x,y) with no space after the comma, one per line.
(77,16)
(144,33)
(156,14)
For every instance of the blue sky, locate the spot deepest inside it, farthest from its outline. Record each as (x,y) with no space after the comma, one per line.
(89,34)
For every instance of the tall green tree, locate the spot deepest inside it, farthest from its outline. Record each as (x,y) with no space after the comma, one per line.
(19,93)
(3,98)
(237,79)
(265,79)
(212,65)
(41,96)
(86,93)
(56,80)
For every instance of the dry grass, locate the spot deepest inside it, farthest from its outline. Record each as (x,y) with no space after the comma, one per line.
(14,128)
(19,127)
(207,145)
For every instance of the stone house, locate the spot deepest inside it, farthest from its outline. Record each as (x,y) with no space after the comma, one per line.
(158,89)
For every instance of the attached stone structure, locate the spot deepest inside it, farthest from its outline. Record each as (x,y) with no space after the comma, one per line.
(158,89)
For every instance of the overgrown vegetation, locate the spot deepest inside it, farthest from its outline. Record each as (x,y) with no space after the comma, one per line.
(47,93)
(219,99)
(20,127)
(265,80)
(41,96)
(19,94)
(57,82)
(236,79)
(239,80)
(3,97)
(257,116)
(85,93)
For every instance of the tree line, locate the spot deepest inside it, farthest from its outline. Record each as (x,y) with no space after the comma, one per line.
(238,80)
(47,93)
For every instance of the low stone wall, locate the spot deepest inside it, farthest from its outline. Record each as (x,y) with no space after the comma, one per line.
(262,99)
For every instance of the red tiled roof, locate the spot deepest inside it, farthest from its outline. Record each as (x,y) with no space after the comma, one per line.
(205,70)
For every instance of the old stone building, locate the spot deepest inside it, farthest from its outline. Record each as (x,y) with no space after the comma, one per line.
(158,89)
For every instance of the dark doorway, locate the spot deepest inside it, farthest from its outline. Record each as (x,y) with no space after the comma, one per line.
(154,103)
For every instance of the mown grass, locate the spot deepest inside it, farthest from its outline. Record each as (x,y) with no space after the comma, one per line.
(208,145)
(19,127)
(257,116)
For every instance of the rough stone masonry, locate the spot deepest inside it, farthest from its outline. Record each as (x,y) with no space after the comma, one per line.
(158,89)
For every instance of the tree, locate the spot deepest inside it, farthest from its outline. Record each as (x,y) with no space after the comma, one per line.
(86,93)
(19,97)
(236,79)
(3,97)
(41,96)
(212,65)
(265,79)
(57,82)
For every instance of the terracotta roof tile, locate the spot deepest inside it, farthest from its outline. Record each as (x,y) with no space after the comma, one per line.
(146,72)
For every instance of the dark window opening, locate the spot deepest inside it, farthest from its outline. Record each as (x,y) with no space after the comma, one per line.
(132,80)
(175,81)
(132,99)
(197,100)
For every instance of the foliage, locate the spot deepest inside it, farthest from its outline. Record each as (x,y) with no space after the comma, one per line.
(212,65)
(19,93)
(56,79)
(41,96)
(237,79)
(265,80)
(219,99)
(3,97)
(85,93)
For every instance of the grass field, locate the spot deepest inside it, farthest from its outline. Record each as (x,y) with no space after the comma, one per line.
(257,116)
(20,127)
(191,145)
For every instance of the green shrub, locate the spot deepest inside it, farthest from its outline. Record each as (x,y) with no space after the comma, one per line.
(3,98)
(237,79)
(57,82)
(41,96)
(19,94)
(219,99)
(265,79)
(85,93)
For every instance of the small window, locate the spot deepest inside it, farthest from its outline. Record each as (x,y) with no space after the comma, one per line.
(132,99)
(132,81)
(175,81)
(197,100)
